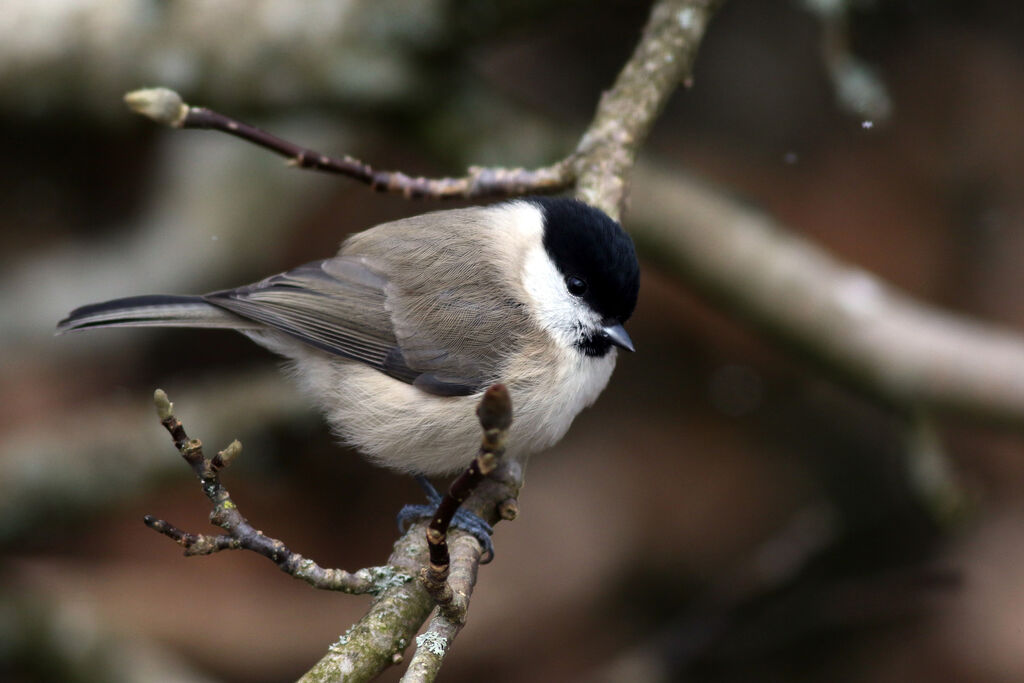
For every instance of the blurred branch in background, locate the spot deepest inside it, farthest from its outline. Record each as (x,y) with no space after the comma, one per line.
(858,87)
(99,456)
(907,353)
(340,50)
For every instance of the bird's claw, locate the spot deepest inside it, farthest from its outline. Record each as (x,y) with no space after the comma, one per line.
(464,519)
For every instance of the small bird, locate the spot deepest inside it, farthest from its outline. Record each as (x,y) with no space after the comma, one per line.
(398,335)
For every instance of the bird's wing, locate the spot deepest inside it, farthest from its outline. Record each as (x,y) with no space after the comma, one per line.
(457,315)
(349,306)
(337,305)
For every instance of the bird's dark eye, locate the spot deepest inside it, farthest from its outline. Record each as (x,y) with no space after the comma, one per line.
(577,287)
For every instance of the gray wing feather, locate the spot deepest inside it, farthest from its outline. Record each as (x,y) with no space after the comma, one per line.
(157,310)
(455,315)
(438,326)
(336,305)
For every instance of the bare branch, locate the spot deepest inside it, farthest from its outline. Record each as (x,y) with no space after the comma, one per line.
(166,107)
(378,639)
(599,169)
(435,642)
(447,581)
(243,536)
(495,414)
(663,58)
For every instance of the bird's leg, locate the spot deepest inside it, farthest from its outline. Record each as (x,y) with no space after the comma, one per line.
(433,497)
(464,519)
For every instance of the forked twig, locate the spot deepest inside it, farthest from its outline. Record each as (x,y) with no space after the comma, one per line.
(240,535)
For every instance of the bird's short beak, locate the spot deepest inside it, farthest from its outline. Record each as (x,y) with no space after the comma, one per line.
(617,335)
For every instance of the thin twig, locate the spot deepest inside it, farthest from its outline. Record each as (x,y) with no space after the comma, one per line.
(167,107)
(495,414)
(240,534)
(598,170)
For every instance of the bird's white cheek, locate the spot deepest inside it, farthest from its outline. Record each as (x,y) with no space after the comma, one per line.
(556,311)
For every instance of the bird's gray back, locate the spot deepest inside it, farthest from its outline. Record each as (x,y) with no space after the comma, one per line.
(452,292)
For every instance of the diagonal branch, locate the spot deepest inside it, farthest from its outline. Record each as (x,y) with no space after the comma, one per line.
(861,329)
(447,621)
(662,60)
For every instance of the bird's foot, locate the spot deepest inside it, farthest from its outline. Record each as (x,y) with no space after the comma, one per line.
(464,519)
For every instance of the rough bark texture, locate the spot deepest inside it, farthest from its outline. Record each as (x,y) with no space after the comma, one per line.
(662,60)
(378,639)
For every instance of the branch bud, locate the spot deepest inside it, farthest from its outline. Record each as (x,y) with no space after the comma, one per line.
(495,409)
(164,407)
(159,104)
(226,456)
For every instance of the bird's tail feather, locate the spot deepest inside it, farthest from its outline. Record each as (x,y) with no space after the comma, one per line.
(153,311)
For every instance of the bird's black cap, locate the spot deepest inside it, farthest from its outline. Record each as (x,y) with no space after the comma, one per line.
(585,242)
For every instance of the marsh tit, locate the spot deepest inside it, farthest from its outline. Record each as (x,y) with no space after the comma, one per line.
(398,335)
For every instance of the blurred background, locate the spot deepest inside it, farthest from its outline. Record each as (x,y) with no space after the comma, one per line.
(726,512)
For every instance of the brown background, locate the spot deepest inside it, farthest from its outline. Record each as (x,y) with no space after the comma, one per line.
(727,512)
